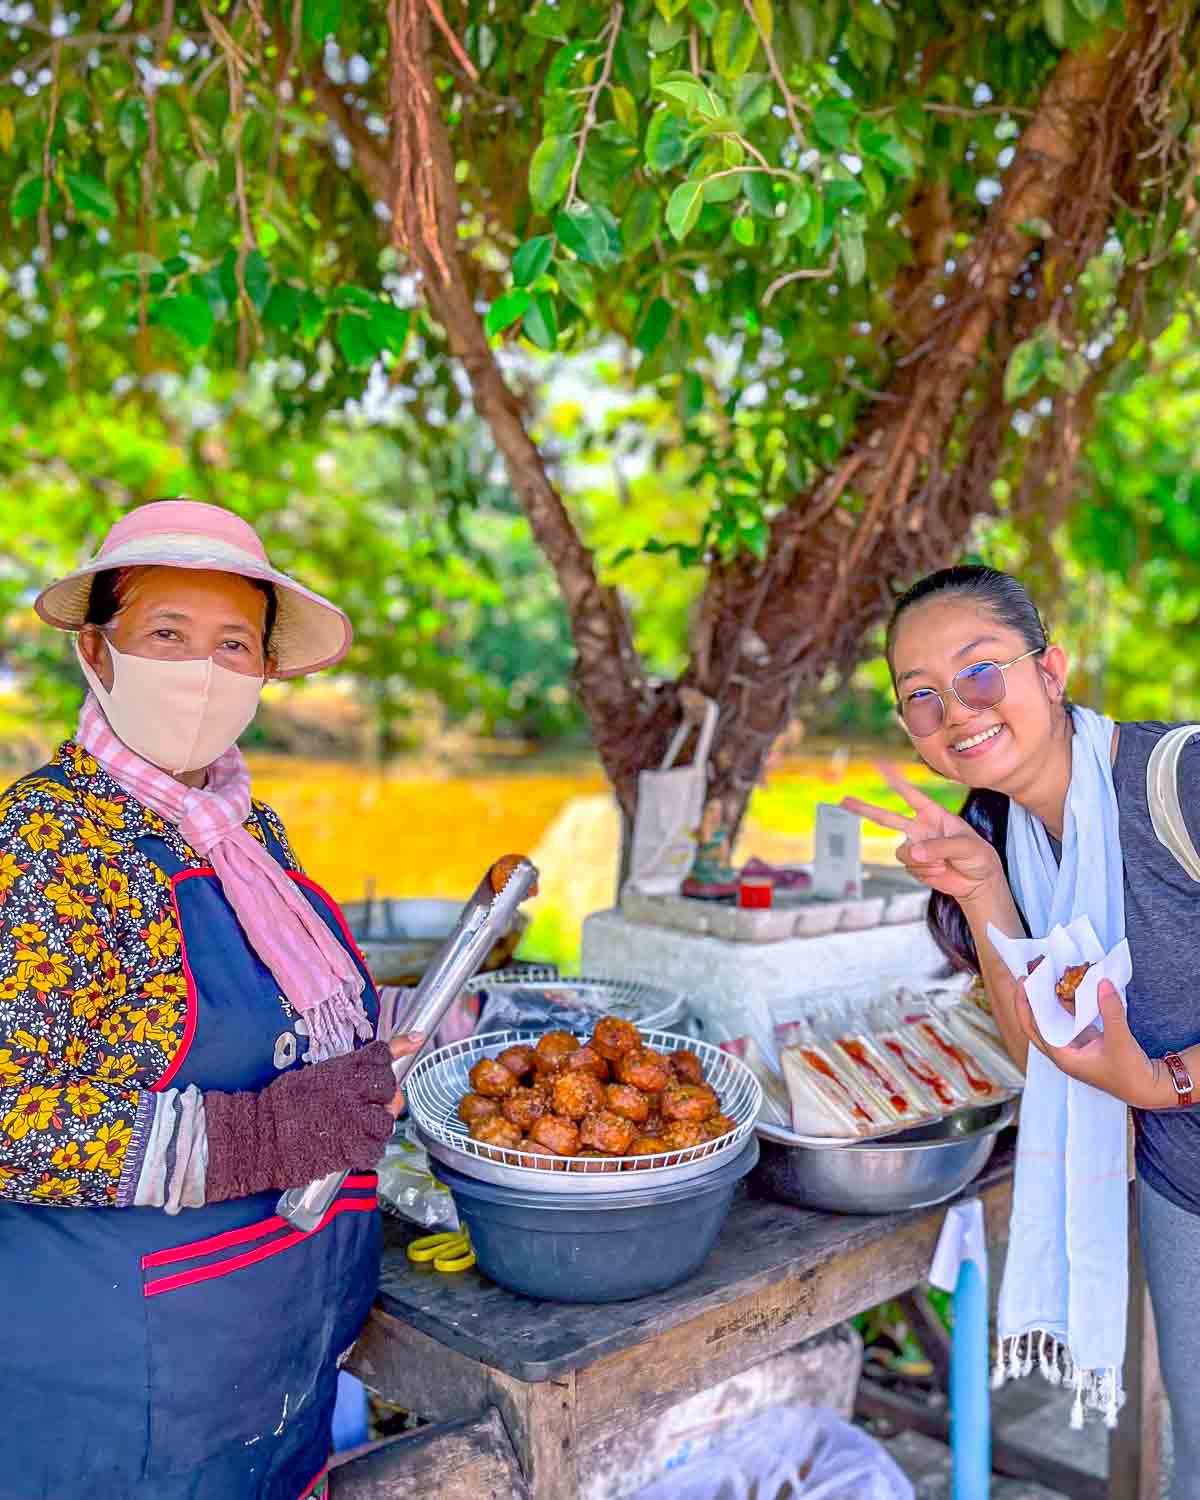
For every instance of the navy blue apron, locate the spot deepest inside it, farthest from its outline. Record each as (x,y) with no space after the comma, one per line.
(190,1356)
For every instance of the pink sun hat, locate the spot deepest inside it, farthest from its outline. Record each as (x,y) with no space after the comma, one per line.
(310,632)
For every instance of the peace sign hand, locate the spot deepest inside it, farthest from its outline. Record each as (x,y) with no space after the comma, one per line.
(939,849)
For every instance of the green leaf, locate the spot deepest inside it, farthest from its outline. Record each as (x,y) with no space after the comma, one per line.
(695,98)
(505,311)
(313,313)
(854,255)
(352,296)
(257,276)
(667,140)
(1091,10)
(187,314)
(541,323)
(683,208)
(171,121)
(760,194)
(356,339)
(1054,19)
(872,179)
(798,213)
(735,43)
(195,180)
(390,325)
(664,34)
(875,20)
(1026,365)
(706,14)
(624,109)
(764,14)
(653,327)
(283,308)
(550,171)
(844,192)
(27,199)
(743,229)
(90,195)
(531,259)
(641,222)
(831,120)
(723,187)
(321,18)
(547,21)
(132,126)
(584,231)
(576,284)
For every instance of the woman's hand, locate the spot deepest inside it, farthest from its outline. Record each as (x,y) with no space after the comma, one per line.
(403,1046)
(939,849)
(1112,1061)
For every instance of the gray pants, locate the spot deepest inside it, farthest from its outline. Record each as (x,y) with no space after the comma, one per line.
(1171,1252)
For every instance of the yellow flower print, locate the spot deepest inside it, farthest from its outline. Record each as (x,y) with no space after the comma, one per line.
(116,1069)
(107,1149)
(6,1175)
(165,987)
(67,1157)
(156,1023)
(114,975)
(34,1110)
(104,810)
(162,938)
(77,868)
(11,987)
(88,1002)
(255,832)
(84,763)
(38,1044)
(96,837)
(153,823)
(27,934)
(10,871)
(12,1069)
(42,970)
(55,1188)
(85,1099)
(66,900)
(74,1052)
(114,887)
(42,831)
(86,942)
(113,1027)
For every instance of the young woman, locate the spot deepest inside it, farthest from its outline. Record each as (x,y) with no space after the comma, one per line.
(184,1030)
(1056,816)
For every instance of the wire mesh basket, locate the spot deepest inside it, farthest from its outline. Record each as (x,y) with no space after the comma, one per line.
(437,1083)
(648,1006)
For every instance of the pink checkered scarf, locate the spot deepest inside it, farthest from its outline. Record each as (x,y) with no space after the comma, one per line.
(310,966)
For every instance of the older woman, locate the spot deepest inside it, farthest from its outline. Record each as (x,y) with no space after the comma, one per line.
(185,1030)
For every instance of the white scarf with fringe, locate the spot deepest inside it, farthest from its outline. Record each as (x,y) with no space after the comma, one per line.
(1066,1280)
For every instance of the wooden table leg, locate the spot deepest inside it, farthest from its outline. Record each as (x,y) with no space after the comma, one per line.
(1135,1445)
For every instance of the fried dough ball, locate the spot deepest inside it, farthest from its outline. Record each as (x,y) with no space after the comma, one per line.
(525,1106)
(622,1099)
(577,1094)
(1072,977)
(552,1050)
(686,1066)
(496,1132)
(608,1133)
(518,1060)
(716,1126)
(554,1134)
(473,1107)
(689,1101)
(682,1134)
(586,1060)
(644,1069)
(613,1038)
(654,1124)
(492,1079)
(649,1145)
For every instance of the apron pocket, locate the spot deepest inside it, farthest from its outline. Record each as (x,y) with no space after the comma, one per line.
(242,1333)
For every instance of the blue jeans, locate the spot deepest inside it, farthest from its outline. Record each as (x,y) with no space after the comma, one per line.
(1171,1254)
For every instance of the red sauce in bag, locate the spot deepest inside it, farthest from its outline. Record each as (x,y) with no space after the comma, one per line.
(858,1053)
(922,1072)
(975,1082)
(818,1064)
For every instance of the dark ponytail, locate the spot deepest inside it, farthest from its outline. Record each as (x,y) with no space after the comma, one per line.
(1008,602)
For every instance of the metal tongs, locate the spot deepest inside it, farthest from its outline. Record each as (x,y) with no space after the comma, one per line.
(486,916)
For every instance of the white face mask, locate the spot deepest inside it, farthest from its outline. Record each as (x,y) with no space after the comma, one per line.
(178,715)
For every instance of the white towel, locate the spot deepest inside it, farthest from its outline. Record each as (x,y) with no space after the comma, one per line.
(1066,1280)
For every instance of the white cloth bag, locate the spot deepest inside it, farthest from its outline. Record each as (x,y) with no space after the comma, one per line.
(670,806)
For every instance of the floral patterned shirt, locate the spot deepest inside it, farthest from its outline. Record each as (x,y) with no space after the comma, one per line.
(92,990)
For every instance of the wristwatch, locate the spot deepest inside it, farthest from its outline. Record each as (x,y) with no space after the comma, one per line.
(1181,1078)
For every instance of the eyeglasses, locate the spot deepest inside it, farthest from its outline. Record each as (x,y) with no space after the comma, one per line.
(981,685)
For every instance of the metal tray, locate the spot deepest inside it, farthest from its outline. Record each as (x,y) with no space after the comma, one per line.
(438,1082)
(918,1168)
(784,1136)
(648,1006)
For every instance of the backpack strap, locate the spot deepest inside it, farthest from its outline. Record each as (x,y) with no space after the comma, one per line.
(1162,797)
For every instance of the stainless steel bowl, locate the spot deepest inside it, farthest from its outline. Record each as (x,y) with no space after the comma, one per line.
(914,1169)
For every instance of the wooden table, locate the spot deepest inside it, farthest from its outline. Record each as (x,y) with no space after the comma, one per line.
(564,1378)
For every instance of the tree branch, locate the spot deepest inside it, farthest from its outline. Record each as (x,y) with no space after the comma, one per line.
(613,28)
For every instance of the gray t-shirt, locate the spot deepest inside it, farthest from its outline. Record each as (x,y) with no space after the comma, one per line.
(1162,905)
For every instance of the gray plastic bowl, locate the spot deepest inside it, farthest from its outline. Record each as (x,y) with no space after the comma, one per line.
(559,1247)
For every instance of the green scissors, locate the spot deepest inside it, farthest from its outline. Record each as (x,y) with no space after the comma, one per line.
(447,1252)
